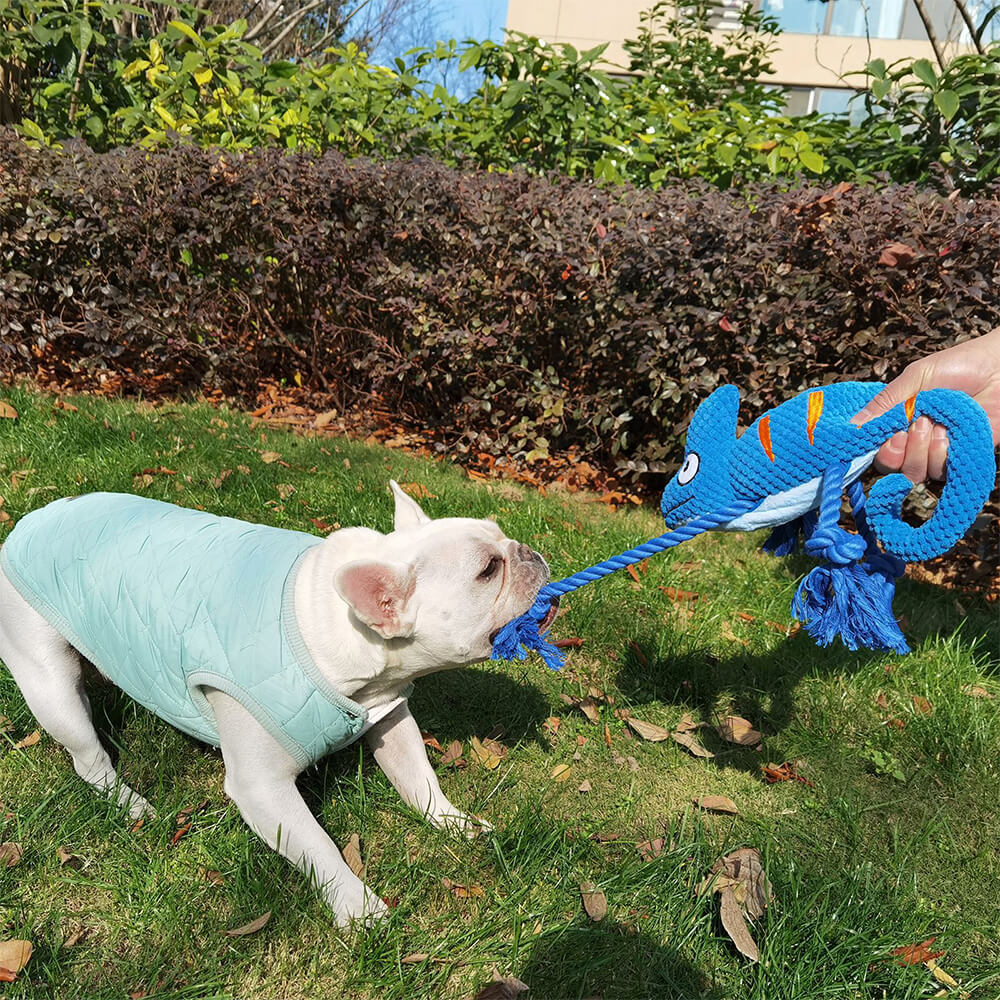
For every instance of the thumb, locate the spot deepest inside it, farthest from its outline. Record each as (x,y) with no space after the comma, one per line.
(908,384)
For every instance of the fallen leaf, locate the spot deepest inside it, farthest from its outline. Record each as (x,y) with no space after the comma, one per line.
(674,594)
(921,705)
(939,974)
(430,741)
(585,786)
(728,633)
(7,412)
(687,724)
(595,903)
(453,753)
(650,849)
(897,255)
(916,954)
(506,988)
(742,871)
(351,852)
(61,404)
(483,755)
(250,928)
(774,773)
(211,875)
(267,457)
(687,741)
(731,915)
(561,772)
(29,741)
(736,729)
(639,654)
(322,419)
(415,958)
(590,708)
(10,854)
(68,859)
(76,936)
(179,834)
(632,573)
(648,730)
(717,803)
(463,891)
(975,691)
(14,955)
(551,724)
(285,490)
(159,470)
(418,491)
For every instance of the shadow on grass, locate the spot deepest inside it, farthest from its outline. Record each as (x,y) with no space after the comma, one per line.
(610,960)
(763,686)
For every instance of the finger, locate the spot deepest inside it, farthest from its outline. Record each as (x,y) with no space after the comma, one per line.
(891,454)
(937,453)
(918,440)
(899,389)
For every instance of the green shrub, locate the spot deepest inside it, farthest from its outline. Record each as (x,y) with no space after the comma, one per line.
(509,313)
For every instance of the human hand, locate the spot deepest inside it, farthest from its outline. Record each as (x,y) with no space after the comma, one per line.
(921,451)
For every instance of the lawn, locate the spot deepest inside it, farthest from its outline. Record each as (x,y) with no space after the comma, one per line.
(891,839)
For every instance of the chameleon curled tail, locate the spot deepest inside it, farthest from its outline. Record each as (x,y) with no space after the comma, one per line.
(970,475)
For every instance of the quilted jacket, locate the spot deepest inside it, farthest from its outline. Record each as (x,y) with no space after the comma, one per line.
(164,600)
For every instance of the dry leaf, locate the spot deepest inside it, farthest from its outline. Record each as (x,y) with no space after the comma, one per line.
(551,725)
(415,958)
(29,741)
(7,412)
(484,755)
(940,975)
(717,803)
(632,573)
(267,457)
(595,903)
(590,708)
(674,594)
(211,875)
(639,654)
(975,691)
(14,955)
(76,936)
(916,954)
(728,633)
(921,705)
(584,786)
(68,860)
(735,729)
(285,490)
(10,854)
(687,724)
(648,730)
(322,419)
(351,852)
(418,491)
(742,871)
(506,988)
(250,928)
(731,915)
(650,849)
(463,891)
(453,753)
(561,772)
(783,772)
(179,834)
(687,741)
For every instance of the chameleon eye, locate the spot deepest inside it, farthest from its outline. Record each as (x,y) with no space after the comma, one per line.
(689,469)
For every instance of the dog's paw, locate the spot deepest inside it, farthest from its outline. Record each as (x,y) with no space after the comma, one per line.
(138,808)
(462,824)
(354,909)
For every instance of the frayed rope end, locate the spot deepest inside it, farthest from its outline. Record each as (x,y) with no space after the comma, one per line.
(522,635)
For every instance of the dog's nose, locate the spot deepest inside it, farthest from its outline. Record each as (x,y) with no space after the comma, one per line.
(527,553)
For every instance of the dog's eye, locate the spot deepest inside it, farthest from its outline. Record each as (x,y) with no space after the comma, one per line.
(491,567)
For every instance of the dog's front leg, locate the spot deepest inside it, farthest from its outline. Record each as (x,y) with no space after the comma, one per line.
(400,752)
(260,779)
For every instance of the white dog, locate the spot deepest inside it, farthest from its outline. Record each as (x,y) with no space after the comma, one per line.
(275,645)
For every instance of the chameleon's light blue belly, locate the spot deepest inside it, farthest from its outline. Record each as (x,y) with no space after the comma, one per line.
(792,503)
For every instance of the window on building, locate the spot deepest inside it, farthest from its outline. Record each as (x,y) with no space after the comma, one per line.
(876,18)
(825,100)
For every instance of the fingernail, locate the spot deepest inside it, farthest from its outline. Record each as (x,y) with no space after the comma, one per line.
(940,433)
(923,425)
(897,442)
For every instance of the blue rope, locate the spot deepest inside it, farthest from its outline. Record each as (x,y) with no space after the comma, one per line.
(522,635)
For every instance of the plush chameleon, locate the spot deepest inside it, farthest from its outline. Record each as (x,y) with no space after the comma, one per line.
(788,472)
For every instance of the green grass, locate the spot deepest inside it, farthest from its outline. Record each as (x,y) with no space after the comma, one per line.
(862,863)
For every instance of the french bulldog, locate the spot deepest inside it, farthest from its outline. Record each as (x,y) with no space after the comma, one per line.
(375,611)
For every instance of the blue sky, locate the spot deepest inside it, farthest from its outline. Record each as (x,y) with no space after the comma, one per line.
(477,19)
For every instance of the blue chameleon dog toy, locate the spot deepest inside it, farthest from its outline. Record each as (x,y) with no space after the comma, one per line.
(788,472)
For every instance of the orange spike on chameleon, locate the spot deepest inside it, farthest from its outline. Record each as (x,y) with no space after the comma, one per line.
(815,410)
(764,432)
(911,405)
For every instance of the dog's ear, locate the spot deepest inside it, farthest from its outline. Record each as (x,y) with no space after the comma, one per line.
(379,594)
(408,512)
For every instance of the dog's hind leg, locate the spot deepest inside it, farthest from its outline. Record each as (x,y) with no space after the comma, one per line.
(47,670)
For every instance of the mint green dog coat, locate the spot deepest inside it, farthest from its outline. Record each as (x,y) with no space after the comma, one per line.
(165,601)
